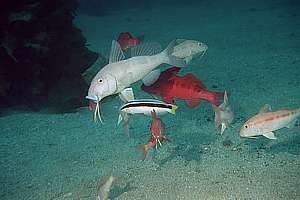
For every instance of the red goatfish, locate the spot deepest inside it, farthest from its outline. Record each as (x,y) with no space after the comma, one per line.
(126,40)
(169,86)
(266,121)
(157,134)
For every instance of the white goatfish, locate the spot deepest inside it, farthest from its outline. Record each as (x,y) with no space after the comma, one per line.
(117,76)
(265,122)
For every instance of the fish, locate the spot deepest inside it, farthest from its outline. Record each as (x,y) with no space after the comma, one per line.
(145,107)
(223,114)
(266,121)
(157,131)
(189,88)
(104,187)
(117,76)
(126,40)
(189,49)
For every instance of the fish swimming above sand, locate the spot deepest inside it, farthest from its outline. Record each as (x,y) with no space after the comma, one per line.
(223,114)
(266,121)
(104,188)
(145,107)
(189,49)
(170,86)
(157,131)
(117,76)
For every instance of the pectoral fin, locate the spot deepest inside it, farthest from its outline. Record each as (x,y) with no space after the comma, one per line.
(265,108)
(126,95)
(270,135)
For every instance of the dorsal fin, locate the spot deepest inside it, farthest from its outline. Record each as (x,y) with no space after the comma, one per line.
(265,108)
(225,102)
(116,53)
(146,49)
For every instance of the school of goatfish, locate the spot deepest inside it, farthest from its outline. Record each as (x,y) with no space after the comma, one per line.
(120,73)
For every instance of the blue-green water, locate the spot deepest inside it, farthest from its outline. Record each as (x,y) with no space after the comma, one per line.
(253,53)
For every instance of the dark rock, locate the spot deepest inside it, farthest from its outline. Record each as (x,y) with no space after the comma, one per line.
(42,55)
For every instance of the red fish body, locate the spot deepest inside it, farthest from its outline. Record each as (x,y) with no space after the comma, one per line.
(169,86)
(157,134)
(126,40)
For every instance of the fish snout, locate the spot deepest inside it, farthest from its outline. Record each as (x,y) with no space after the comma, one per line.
(93,98)
(243,131)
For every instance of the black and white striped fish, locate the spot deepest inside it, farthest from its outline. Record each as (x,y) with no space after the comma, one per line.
(145,106)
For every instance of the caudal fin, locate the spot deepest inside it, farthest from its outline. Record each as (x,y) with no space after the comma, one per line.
(216,98)
(145,148)
(171,58)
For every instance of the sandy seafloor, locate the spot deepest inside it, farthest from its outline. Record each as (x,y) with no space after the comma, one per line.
(254,53)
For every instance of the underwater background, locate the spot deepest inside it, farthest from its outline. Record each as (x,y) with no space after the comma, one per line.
(51,149)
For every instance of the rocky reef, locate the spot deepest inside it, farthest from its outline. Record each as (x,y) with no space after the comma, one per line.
(42,55)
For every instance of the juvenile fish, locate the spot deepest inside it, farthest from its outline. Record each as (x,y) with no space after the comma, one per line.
(104,188)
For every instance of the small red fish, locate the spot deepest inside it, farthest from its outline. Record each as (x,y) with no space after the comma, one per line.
(157,134)
(169,86)
(126,40)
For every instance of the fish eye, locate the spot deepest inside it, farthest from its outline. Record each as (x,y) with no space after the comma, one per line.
(246,126)
(100,80)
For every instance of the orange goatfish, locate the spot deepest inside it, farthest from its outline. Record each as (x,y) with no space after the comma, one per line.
(266,121)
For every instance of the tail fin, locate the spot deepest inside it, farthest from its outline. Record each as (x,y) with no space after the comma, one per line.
(216,98)
(170,58)
(173,109)
(145,148)
(140,38)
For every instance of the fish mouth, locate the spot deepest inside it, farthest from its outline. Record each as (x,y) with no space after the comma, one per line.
(97,114)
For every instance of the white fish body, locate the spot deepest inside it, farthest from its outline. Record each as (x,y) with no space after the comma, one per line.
(104,188)
(265,122)
(223,114)
(146,106)
(120,73)
(131,70)
(188,49)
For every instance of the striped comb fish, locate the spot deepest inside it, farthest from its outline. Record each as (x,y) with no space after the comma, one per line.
(144,106)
